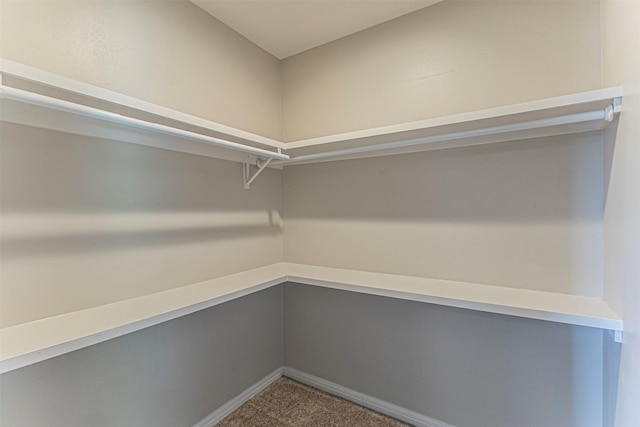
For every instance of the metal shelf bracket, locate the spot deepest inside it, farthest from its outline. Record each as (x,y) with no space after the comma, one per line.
(618,336)
(247,178)
(617,105)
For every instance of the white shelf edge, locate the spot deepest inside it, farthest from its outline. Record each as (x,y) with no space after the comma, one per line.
(531,304)
(370,137)
(33,342)
(86,112)
(54,336)
(506,110)
(47,78)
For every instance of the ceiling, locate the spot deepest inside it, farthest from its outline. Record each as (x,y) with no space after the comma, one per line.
(286,27)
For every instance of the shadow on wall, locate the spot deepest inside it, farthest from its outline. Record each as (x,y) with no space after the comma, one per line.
(46,171)
(171,374)
(523,214)
(88,221)
(609,145)
(95,243)
(462,367)
(611,377)
(65,193)
(550,179)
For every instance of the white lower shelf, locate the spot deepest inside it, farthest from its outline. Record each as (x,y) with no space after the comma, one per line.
(32,342)
(554,307)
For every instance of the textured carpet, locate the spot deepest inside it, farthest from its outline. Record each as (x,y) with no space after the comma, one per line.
(287,403)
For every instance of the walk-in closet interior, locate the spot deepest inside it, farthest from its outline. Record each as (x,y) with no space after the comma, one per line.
(435,215)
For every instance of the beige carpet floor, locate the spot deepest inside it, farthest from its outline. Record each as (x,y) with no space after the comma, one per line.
(287,403)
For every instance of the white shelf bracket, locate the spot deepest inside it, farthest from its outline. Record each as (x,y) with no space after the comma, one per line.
(617,105)
(247,178)
(617,336)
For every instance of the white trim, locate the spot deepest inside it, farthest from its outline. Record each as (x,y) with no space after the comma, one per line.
(362,399)
(375,404)
(219,414)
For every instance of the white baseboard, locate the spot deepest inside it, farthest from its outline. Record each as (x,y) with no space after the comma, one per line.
(373,403)
(397,412)
(219,414)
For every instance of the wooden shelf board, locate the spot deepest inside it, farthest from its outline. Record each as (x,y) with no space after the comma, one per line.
(534,110)
(29,343)
(555,307)
(32,342)
(108,99)
(53,85)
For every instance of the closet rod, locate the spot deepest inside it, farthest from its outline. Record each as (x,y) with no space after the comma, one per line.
(20,95)
(605,114)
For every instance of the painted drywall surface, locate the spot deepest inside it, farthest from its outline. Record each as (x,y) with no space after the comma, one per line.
(452,57)
(85,222)
(167,52)
(610,378)
(524,214)
(621,65)
(173,374)
(462,367)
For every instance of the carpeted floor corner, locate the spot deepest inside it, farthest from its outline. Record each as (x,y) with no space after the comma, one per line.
(287,403)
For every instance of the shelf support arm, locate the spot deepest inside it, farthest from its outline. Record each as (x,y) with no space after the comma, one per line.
(246,171)
(618,336)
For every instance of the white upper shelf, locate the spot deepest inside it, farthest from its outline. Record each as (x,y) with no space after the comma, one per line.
(580,112)
(39,340)
(38,98)
(41,99)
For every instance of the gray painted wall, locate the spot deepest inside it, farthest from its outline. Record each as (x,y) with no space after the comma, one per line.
(523,214)
(621,228)
(459,366)
(612,352)
(89,221)
(463,367)
(172,374)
